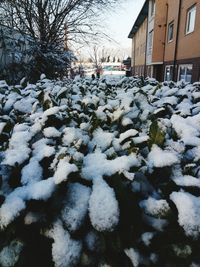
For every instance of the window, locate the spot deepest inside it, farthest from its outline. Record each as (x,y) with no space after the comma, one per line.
(150,43)
(185,73)
(191,17)
(152,8)
(170,31)
(168,73)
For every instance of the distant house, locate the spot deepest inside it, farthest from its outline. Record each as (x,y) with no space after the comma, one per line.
(165,40)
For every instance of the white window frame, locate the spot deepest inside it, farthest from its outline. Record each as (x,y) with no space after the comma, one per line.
(169,25)
(168,66)
(183,66)
(150,42)
(189,28)
(152,8)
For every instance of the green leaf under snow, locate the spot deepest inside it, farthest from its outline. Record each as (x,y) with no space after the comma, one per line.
(157,136)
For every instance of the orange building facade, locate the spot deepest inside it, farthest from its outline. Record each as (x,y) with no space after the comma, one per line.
(172,44)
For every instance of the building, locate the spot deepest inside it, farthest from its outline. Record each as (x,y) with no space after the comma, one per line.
(172,50)
(138,35)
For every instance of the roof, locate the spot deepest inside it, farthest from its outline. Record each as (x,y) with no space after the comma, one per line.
(140,19)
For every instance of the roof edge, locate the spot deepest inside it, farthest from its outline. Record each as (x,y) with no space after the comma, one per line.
(140,19)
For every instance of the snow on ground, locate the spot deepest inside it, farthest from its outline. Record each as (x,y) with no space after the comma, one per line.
(98,166)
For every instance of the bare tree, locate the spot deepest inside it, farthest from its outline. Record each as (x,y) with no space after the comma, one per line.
(101,54)
(95,57)
(52,24)
(46,20)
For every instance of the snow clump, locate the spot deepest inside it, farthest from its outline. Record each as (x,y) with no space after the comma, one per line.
(103,207)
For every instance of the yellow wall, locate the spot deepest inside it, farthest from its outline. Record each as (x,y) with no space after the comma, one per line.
(139,45)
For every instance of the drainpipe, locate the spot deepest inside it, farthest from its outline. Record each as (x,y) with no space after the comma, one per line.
(134,55)
(177,38)
(165,40)
(145,62)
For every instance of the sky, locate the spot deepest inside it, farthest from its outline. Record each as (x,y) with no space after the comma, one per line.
(117,24)
(121,21)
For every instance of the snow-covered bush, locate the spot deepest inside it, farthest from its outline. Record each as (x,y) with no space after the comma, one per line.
(53,62)
(100,173)
(23,56)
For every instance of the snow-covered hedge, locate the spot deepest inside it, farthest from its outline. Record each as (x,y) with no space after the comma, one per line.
(100,173)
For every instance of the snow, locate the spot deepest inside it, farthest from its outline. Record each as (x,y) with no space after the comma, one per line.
(41,190)
(75,206)
(101,139)
(195,265)
(3,84)
(140,139)
(129,175)
(41,149)
(10,210)
(126,121)
(13,155)
(187,129)
(154,257)
(32,172)
(65,250)
(15,201)
(117,114)
(96,165)
(196,153)
(157,224)
(187,180)
(156,208)
(32,217)
(100,113)
(49,112)
(64,168)
(182,251)
(42,76)
(127,134)
(188,212)
(9,255)
(106,265)
(146,238)
(72,134)
(159,158)
(103,207)
(10,101)
(133,255)
(2,125)
(60,168)
(51,132)
(24,105)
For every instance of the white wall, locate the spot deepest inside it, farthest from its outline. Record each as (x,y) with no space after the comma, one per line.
(151,20)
